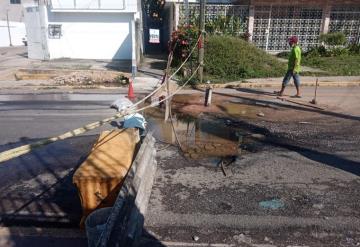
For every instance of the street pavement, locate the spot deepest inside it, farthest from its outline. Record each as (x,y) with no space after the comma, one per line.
(36,189)
(295,183)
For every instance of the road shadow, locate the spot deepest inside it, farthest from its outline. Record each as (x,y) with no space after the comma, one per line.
(325,158)
(247,100)
(37,189)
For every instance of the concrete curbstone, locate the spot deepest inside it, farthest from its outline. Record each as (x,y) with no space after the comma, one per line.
(124,226)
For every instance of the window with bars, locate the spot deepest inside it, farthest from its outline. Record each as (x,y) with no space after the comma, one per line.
(54,31)
(15,1)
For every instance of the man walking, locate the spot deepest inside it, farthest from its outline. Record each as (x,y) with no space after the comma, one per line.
(293,67)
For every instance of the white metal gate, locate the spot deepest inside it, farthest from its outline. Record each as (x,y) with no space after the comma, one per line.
(347,21)
(273,25)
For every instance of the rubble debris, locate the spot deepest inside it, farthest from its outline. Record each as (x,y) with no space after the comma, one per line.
(83,78)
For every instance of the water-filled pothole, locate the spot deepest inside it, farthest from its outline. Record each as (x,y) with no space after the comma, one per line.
(205,138)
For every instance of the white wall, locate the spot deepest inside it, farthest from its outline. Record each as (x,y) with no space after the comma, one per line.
(17,31)
(92,35)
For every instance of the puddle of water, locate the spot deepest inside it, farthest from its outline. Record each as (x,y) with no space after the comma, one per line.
(240,110)
(200,137)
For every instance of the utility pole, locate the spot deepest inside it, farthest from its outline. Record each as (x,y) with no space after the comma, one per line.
(43,34)
(201,44)
(8,26)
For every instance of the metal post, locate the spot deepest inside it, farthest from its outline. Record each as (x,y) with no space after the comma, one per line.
(202,32)
(8,25)
(208,94)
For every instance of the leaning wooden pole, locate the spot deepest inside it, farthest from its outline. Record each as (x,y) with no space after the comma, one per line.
(167,81)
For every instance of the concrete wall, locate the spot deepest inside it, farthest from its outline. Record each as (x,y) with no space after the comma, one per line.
(17,33)
(92,35)
(15,11)
(15,14)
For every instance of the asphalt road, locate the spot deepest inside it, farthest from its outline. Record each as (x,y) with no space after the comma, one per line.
(295,183)
(36,189)
(298,186)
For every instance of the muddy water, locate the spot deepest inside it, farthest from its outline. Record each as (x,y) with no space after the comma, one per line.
(199,137)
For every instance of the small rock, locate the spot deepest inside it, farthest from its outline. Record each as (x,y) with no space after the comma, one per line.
(349,240)
(260,114)
(196,238)
(326,218)
(194,156)
(318,206)
(242,238)
(266,239)
(258,136)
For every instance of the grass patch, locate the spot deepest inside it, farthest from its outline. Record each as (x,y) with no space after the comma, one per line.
(233,59)
(336,66)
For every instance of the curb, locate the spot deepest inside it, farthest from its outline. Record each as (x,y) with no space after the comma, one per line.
(245,84)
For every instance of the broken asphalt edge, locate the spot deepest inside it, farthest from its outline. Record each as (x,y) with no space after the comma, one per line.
(277,83)
(248,83)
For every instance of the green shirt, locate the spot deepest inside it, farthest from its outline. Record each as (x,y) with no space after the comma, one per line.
(295,59)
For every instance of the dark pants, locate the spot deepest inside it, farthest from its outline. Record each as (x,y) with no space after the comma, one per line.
(288,76)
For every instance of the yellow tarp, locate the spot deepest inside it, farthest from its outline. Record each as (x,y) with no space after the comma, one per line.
(100,176)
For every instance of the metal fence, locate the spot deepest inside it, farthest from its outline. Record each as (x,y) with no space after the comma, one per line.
(214,11)
(347,21)
(273,25)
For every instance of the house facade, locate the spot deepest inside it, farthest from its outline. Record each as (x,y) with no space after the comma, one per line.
(85,29)
(12,27)
(270,22)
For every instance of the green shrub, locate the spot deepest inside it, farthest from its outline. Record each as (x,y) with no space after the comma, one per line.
(182,41)
(229,58)
(333,39)
(316,51)
(322,51)
(283,54)
(354,49)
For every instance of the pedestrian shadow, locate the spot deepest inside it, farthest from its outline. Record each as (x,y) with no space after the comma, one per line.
(320,157)
(247,100)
